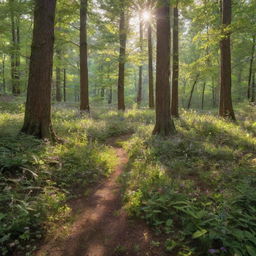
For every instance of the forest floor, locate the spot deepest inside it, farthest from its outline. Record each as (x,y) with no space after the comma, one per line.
(101,226)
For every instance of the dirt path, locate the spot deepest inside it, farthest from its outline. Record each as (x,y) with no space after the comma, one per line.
(102,228)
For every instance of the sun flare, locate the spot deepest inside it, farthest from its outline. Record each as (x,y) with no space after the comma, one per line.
(146,15)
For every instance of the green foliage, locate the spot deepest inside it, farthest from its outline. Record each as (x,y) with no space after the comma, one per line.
(37,178)
(197,187)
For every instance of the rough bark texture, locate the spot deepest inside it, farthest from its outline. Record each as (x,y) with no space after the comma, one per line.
(139,93)
(164,124)
(151,101)
(84,81)
(251,68)
(226,107)
(37,120)
(122,53)
(175,65)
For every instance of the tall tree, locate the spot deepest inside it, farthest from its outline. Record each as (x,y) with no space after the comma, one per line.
(226,107)
(164,123)
(151,100)
(175,64)
(251,67)
(37,119)
(139,92)
(84,80)
(122,57)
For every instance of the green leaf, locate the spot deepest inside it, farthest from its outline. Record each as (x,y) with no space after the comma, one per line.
(251,250)
(199,233)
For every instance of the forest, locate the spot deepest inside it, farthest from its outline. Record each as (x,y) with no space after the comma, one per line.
(127,127)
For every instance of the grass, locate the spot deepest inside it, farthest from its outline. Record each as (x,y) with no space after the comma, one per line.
(197,188)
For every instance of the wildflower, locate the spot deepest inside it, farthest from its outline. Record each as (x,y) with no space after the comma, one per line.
(223,249)
(212,251)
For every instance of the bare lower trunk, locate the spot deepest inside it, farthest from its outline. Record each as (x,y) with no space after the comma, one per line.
(84,81)
(3,74)
(58,83)
(110,96)
(64,85)
(192,91)
(164,123)
(253,87)
(151,101)
(37,119)
(226,107)
(251,69)
(175,65)
(122,53)
(139,93)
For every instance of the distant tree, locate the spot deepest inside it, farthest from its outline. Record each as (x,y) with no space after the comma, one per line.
(249,91)
(122,57)
(84,81)
(164,123)
(226,107)
(37,119)
(175,64)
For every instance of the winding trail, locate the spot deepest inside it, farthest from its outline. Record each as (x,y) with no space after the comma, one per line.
(101,226)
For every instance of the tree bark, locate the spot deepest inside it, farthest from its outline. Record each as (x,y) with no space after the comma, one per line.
(151,100)
(3,75)
(164,124)
(192,91)
(175,64)
(64,85)
(139,93)
(84,80)
(226,106)
(58,85)
(250,68)
(253,87)
(37,119)
(122,60)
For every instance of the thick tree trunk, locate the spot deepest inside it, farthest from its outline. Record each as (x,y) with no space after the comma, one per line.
(84,80)
(122,60)
(37,120)
(164,124)
(250,68)
(226,107)
(139,93)
(175,64)
(203,91)
(151,101)
(192,91)
(64,85)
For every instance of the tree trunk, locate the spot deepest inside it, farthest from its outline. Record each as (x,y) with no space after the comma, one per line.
(164,123)
(15,49)
(253,87)
(3,75)
(37,120)
(139,93)
(122,60)
(202,105)
(226,107)
(192,91)
(250,69)
(58,83)
(84,81)
(64,85)
(175,64)
(151,100)
(110,96)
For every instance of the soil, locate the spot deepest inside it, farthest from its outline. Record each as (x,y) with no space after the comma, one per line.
(101,226)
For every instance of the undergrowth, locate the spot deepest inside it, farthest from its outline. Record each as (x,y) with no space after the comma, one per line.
(196,188)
